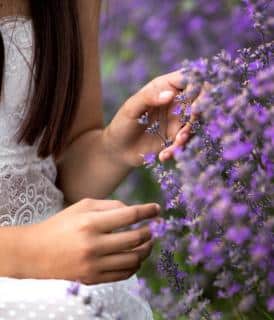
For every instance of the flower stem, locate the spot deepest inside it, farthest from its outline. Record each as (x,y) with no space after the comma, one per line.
(267,315)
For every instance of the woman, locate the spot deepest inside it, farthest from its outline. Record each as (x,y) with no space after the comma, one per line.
(57,158)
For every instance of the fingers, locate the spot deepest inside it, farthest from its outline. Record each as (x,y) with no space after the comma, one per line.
(175,79)
(121,266)
(109,220)
(126,240)
(111,276)
(182,138)
(191,92)
(195,96)
(160,91)
(122,261)
(126,260)
(144,250)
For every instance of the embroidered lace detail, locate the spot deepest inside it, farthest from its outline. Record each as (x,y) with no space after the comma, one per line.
(28,195)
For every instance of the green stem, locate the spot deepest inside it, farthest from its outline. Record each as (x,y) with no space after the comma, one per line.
(268,316)
(241,317)
(235,311)
(160,136)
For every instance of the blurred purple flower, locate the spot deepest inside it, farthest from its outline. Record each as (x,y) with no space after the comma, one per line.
(238,234)
(150,159)
(235,152)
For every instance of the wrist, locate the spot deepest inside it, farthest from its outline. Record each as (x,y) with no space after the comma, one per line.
(15,252)
(117,155)
(9,241)
(27,252)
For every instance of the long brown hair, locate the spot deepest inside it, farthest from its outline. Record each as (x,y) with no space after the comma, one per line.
(58,61)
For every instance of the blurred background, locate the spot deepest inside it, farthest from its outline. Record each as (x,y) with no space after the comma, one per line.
(141,39)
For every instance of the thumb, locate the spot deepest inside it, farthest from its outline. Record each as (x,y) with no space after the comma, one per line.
(146,98)
(159,92)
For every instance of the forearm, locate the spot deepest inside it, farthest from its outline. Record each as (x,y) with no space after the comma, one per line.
(14,253)
(88,170)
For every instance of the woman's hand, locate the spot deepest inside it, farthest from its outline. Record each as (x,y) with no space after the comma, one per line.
(79,243)
(127,140)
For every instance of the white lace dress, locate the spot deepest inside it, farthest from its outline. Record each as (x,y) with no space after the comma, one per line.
(28,194)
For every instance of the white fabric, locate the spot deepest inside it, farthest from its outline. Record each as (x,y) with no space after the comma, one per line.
(28,195)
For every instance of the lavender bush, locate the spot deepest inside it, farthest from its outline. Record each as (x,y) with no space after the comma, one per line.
(217,240)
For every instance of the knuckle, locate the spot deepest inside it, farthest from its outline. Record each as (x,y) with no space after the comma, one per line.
(87,275)
(157,79)
(85,219)
(141,236)
(92,249)
(137,239)
(86,222)
(155,84)
(84,279)
(133,216)
(148,234)
(136,259)
(89,249)
(127,274)
(148,250)
(145,234)
(136,214)
(118,203)
(88,279)
(87,202)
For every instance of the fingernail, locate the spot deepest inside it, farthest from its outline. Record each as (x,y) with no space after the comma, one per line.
(181,135)
(158,207)
(163,154)
(165,95)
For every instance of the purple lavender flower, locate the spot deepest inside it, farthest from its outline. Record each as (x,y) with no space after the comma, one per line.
(158,229)
(150,159)
(270,304)
(74,288)
(154,128)
(238,234)
(180,98)
(177,110)
(237,151)
(144,119)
